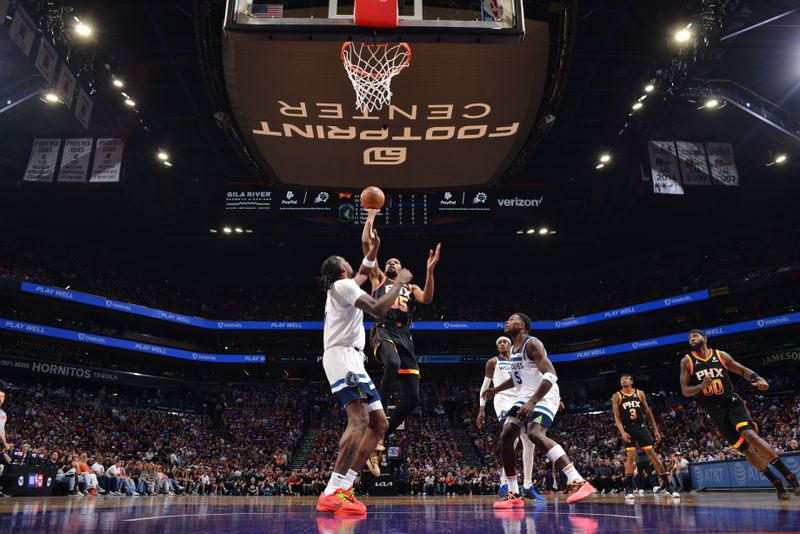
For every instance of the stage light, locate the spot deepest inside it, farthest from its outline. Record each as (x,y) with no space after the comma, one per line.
(520,232)
(212,230)
(118,83)
(531,231)
(637,106)
(642,98)
(600,166)
(780,159)
(544,231)
(711,103)
(683,36)
(51,97)
(83,30)
(163,156)
(167,164)
(248,231)
(649,88)
(227,230)
(129,102)
(605,158)
(239,230)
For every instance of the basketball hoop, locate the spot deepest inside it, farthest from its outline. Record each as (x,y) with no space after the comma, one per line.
(371,68)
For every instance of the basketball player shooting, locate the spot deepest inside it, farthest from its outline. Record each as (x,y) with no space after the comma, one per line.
(390,337)
(343,361)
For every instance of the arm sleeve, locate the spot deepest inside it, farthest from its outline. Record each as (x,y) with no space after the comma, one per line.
(348,291)
(484,387)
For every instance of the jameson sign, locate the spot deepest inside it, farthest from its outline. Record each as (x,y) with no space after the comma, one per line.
(787,357)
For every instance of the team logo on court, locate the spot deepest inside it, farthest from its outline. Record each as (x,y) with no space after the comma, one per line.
(351,379)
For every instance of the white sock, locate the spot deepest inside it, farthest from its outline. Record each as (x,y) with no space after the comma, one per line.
(349,479)
(527,461)
(334,483)
(513,486)
(572,474)
(503,477)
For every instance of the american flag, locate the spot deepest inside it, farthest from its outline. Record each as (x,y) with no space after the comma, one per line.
(267,11)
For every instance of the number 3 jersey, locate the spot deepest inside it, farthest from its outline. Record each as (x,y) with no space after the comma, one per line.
(720,392)
(526,375)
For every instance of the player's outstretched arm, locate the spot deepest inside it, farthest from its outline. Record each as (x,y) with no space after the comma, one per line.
(370,257)
(686,376)
(379,307)
(376,275)
(748,374)
(425,296)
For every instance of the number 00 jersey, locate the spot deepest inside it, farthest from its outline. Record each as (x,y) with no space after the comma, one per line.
(630,409)
(720,392)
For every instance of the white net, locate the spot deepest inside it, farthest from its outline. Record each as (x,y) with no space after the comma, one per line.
(371,68)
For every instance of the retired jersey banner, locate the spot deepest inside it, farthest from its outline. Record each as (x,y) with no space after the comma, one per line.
(665,168)
(723,164)
(22,30)
(83,108)
(107,160)
(46,61)
(75,160)
(65,88)
(42,164)
(693,163)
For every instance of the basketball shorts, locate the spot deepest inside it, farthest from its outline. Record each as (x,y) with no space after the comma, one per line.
(349,381)
(731,420)
(640,438)
(403,342)
(502,405)
(543,413)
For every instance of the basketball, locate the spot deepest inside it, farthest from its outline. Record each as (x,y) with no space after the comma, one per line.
(372,198)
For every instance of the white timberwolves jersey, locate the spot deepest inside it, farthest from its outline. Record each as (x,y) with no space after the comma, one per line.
(526,375)
(502,372)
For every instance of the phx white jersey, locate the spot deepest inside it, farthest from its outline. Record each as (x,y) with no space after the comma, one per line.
(504,400)
(526,375)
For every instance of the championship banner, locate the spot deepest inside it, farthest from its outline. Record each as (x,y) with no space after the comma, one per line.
(75,160)
(4,4)
(723,164)
(65,88)
(42,163)
(83,108)
(693,163)
(46,61)
(22,30)
(665,168)
(107,160)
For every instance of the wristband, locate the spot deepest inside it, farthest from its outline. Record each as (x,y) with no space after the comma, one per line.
(369,264)
(550,377)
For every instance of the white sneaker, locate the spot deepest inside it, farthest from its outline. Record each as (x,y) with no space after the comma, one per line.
(629,495)
(641,492)
(675,495)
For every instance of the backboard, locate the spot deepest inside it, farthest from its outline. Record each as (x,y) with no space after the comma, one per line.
(460,113)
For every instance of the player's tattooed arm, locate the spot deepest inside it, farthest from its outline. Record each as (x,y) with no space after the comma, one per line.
(376,275)
(748,374)
(686,376)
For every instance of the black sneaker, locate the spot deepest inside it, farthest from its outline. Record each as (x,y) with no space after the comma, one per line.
(783,495)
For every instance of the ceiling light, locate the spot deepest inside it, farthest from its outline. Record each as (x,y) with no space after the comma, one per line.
(129,102)
(605,158)
(637,105)
(711,103)
(163,156)
(51,97)
(544,231)
(552,232)
(118,83)
(649,88)
(600,166)
(248,231)
(227,230)
(83,30)
(520,232)
(213,230)
(780,159)
(683,35)
(167,164)
(531,231)
(239,230)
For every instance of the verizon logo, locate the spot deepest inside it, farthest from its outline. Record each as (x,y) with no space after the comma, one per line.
(517,202)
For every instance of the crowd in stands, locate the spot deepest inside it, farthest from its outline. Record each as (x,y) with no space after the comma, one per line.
(101,443)
(299,299)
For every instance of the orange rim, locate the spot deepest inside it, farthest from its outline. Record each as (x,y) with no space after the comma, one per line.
(352,68)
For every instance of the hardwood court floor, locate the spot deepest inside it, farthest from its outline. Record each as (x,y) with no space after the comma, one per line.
(717,513)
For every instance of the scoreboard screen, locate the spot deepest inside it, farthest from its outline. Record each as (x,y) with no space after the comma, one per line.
(399,209)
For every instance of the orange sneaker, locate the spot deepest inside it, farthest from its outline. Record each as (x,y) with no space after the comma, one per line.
(351,495)
(512,500)
(327,524)
(579,491)
(338,503)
